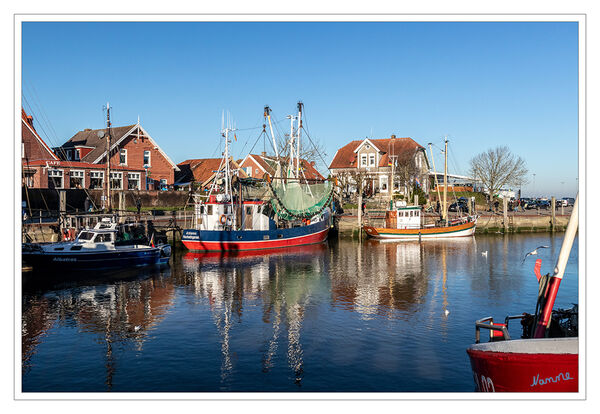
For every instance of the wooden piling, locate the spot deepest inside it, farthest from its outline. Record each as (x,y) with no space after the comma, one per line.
(553,222)
(505,212)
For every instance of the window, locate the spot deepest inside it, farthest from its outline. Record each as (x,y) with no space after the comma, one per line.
(363,160)
(116,180)
(248,210)
(371,160)
(256,171)
(76,155)
(146,158)
(163,183)
(123,157)
(69,155)
(76,179)
(383,183)
(133,181)
(55,179)
(96,180)
(28,178)
(249,171)
(209,210)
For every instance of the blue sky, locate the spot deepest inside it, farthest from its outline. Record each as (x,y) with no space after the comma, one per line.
(481,84)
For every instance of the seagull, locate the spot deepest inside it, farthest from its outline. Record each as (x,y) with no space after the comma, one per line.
(484,253)
(446,312)
(535,251)
(137,328)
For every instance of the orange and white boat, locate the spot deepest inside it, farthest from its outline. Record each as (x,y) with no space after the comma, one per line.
(406,223)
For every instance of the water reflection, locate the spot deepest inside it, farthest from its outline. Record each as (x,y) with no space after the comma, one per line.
(283,281)
(117,313)
(339,316)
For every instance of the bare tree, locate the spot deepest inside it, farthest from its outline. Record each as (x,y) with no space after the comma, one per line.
(498,167)
(405,171)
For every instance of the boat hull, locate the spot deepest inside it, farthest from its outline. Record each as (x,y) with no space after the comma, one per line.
(93,260)
(382,233)
(241,240)
(528,365)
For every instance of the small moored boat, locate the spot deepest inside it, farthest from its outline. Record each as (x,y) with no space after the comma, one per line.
(103,247)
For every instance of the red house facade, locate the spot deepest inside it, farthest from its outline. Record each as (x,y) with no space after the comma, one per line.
(42,168)
(131,149)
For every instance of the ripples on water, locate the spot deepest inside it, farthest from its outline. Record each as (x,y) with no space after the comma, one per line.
(343,316)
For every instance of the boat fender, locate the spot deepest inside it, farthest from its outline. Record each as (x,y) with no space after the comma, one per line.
(229,220)
(66,235)
(223,219)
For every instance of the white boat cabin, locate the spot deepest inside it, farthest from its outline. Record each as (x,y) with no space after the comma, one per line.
(220,213)
(404,217)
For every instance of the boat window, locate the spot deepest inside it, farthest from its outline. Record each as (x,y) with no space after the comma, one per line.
(86,235)
(209,210)
(201,209)
(249,210)
(101,238)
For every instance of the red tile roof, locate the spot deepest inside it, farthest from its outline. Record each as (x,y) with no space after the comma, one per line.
(201,169)
(346,157)
(268,164)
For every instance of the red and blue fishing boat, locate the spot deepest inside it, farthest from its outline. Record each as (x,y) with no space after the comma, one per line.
(286,209)
(546,359)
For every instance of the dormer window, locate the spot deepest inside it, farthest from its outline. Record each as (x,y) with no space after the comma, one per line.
(363,160)
(76,154)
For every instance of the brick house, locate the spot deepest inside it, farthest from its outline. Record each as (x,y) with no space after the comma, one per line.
(391,163)
(132,149)
(258,165)
(42,168)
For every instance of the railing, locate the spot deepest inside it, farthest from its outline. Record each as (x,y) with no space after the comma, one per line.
(481,323)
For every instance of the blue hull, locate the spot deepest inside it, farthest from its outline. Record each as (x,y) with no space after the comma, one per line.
(92,261)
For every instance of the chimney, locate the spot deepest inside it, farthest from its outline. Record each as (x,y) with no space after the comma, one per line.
(30,120)
(312,163)
(263,154)
(87,129)
(393,136)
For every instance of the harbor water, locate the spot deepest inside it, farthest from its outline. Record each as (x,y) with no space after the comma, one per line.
(345,316)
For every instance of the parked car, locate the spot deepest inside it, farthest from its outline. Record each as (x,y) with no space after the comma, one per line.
(570,201)
(543,204)
(459,206)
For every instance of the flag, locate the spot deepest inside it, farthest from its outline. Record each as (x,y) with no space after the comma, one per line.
(235,137)
(417,181)
(152,240)
(389,163)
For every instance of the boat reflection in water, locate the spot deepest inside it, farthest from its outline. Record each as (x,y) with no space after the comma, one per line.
(343,316)
(117,314)
(284,280)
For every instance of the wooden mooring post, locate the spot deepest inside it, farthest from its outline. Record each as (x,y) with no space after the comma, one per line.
(505,212)
(553,207)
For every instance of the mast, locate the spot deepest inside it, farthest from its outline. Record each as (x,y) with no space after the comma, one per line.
(108,205)
(445,216)
(298,138)
(437,187)
(268,116)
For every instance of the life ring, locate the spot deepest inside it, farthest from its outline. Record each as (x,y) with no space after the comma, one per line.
(223,219)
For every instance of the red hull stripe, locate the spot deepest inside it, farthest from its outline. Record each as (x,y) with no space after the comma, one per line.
(257,245)
(517,372)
